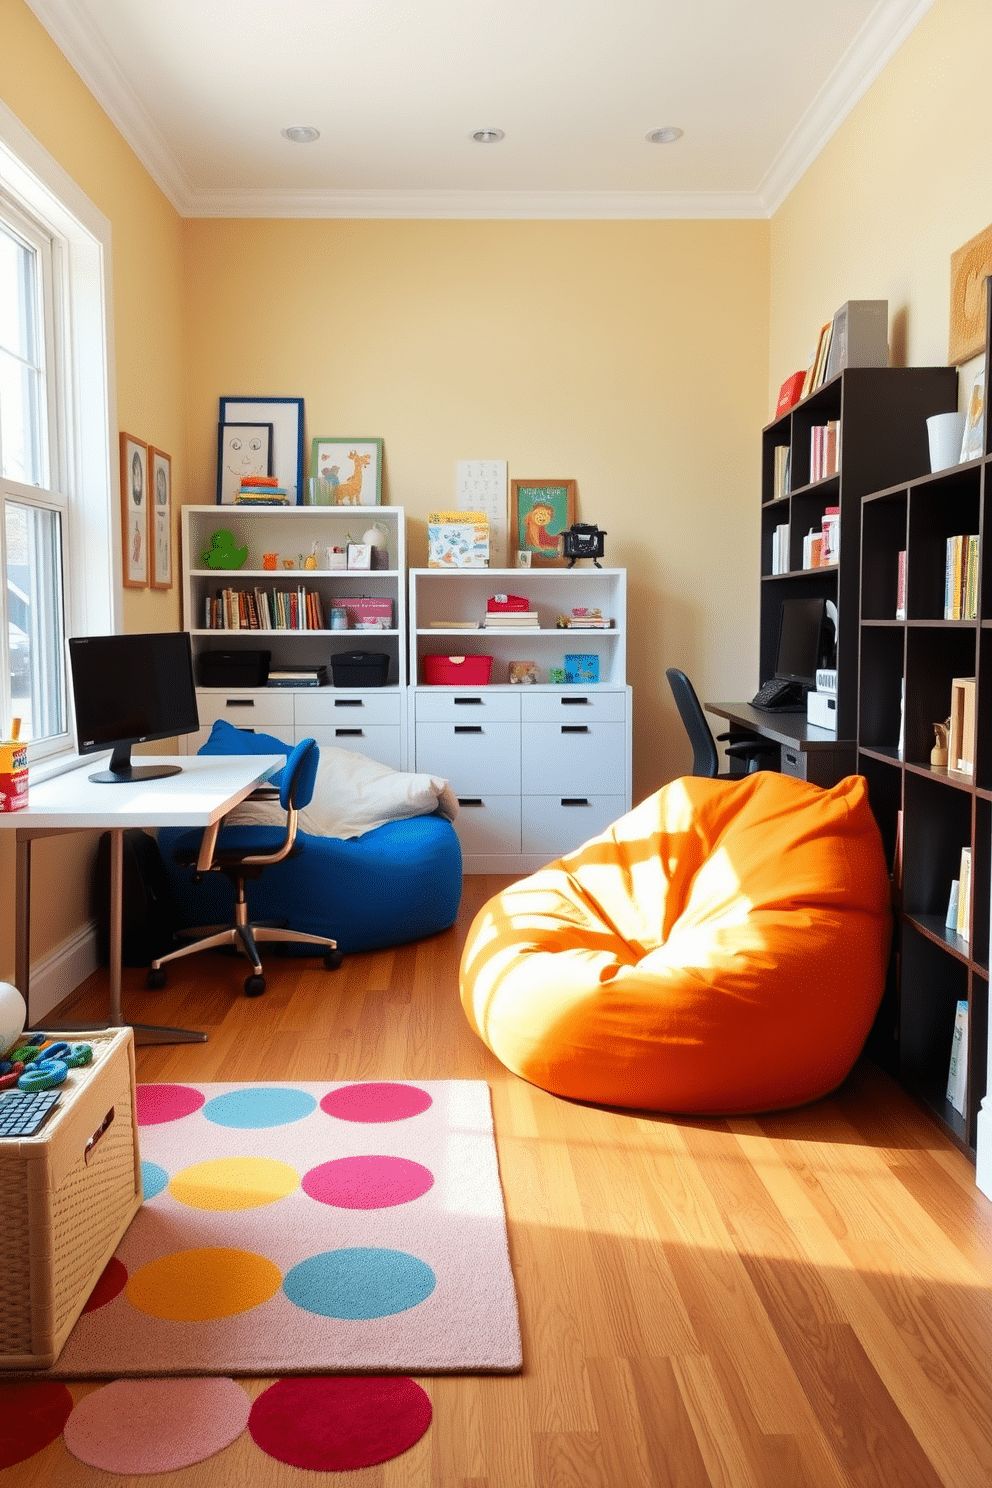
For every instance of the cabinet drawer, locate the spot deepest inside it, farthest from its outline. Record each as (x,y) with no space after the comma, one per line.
(472,753)
(488,825)
(576,757)
(246,708)
(470,703)
(553,825)
(348,710)
(376,741)
(572,706)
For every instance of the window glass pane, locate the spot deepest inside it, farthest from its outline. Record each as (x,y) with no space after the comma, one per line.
(34,619)
(22,448)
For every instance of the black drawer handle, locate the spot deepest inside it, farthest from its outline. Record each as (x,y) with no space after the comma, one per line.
(575,728)
(356,733)
(468,728)
(573,702)
(349,703)
(466,702)
(575,800)
(470,800)
(239,702)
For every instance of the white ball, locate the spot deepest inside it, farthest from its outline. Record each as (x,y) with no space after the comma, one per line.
(12,1016)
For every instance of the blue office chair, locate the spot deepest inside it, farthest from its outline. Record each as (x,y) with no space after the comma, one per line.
(705,757)
(242,853)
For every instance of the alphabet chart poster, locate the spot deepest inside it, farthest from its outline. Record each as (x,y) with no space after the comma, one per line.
(481,487)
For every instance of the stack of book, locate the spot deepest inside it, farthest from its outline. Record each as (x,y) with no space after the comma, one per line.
(261,490)
(780,549)
(303,676)
(586,617)
(780,476)
(457,539)
(961,579)
(824,450)
(264,609)
(518,620)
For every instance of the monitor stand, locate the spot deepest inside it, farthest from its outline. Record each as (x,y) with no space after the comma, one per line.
(121,770)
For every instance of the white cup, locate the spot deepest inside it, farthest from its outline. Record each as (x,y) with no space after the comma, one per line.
(945,431)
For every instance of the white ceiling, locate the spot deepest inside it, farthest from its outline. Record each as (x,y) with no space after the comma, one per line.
(202,88)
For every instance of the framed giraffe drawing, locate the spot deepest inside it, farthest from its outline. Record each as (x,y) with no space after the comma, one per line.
(346,472)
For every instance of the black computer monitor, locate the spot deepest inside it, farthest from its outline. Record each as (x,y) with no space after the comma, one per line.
(128,689)
(801,641)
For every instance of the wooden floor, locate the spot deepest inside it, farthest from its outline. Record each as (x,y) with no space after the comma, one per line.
(802,1301)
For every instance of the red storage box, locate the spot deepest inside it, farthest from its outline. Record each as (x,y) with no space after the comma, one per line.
(457,671)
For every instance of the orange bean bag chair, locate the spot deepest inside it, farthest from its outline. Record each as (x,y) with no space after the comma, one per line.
(721,949)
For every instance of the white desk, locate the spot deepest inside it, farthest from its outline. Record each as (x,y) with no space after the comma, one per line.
(207,787)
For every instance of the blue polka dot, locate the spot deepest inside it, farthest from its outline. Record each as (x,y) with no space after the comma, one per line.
(359,1283)
(259,1106)
(153,1179)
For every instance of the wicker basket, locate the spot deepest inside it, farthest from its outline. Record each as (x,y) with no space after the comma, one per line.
(68,1195)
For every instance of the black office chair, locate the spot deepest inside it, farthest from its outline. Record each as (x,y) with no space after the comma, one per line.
(705,756)
(241,853)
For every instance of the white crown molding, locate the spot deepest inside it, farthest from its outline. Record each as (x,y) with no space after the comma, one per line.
(879,39)
(498,205)
(85,52)
(876,43)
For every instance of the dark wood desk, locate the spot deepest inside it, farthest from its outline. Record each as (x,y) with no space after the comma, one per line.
(808,752)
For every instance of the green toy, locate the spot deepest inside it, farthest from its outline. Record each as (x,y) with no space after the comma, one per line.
(222,552)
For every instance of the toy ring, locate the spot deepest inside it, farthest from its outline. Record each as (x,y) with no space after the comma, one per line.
(79,1054)
(6,1081)
(25,1053)
(43,1074)
(56,1051)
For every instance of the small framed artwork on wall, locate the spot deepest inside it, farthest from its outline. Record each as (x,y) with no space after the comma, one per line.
(346,472)
(160,485)
(134,511)
(242,450)
(286,417)
(540,511)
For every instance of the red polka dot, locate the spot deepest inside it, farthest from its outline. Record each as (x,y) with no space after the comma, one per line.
(31,1416)
(367,1182)
(158,1103)
(112,1281)
(338,1423)
(382,1100)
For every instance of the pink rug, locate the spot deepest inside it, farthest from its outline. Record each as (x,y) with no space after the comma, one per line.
(308,1228)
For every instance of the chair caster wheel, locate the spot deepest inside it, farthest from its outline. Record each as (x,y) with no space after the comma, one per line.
(332,960)
(254,986)
(156,978)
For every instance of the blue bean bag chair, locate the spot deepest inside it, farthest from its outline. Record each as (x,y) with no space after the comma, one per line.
(401,881)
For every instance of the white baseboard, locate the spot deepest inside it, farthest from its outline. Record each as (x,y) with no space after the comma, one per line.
(61,972)
(983,1148)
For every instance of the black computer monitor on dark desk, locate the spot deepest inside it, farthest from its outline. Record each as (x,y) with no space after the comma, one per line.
(801,641)
(128,689)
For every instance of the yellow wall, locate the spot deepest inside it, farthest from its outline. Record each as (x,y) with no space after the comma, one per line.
(37,84)
(903,182)
(627,356)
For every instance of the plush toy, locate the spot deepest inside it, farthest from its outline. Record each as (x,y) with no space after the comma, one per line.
(222,552)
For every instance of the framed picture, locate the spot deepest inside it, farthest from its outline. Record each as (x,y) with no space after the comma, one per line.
(242,449)
(286,417)
(973,438)
(160,487)
(350,468)
(134,511)
(359,555)
(540,510)
(970,266)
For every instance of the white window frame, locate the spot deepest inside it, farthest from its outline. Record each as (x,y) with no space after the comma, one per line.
(83,476)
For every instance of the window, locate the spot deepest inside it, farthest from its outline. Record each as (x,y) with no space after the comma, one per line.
(58,521)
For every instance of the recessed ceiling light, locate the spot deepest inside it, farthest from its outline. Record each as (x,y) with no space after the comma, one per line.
(665,136)
(487,136)
(301,134)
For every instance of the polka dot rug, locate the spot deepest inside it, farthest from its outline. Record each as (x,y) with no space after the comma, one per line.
(309,1228)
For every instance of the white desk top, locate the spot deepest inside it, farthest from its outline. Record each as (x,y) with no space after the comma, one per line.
(207,786)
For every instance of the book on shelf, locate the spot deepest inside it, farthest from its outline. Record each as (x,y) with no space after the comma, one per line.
(780,472)
(780,549)
(790,392)
(315,676)
(901,585)
(263,609)
(823,450)
(961,577)
(454,624)
(818,374)
(957,1070)
(457,539)
(963,918)
(520,620)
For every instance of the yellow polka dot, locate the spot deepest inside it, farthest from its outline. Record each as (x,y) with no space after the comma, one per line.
(234,1183)
(192,1286)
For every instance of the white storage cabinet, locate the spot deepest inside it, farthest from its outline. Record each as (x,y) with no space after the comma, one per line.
(369,720)
(537,768)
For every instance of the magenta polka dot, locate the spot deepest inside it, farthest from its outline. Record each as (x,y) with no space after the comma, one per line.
(367,1182)
(339,1424)
(158,1103)
(380,1100)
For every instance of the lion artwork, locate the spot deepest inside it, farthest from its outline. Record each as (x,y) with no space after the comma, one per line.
(536,523)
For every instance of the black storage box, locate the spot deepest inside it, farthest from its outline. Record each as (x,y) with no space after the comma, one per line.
(360,668)
(233,668)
